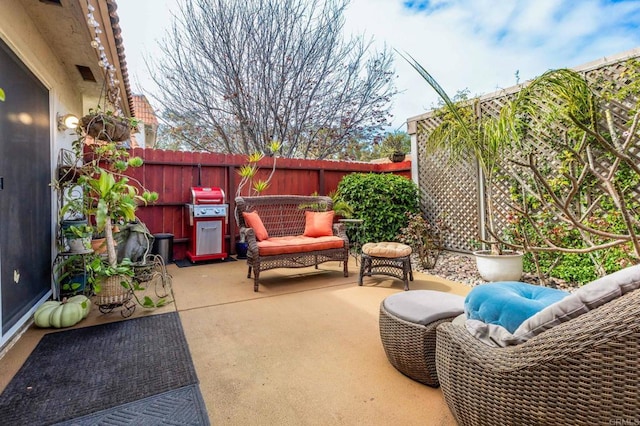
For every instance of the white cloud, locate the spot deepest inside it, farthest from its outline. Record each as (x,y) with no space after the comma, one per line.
(474,44)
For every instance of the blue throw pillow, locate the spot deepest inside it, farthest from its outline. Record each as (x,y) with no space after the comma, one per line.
(509,303)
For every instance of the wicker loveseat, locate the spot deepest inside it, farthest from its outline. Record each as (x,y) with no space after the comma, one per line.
(284,219)
(585,371)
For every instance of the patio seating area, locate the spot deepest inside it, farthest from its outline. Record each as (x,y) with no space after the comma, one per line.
(306,349)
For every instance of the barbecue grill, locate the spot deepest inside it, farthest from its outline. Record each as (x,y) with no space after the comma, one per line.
(207,218)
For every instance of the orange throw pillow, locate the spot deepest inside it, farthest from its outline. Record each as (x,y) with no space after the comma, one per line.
(253,221)
(318,224)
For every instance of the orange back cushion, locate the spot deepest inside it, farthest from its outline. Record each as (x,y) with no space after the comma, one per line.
(318,224)
(253,221)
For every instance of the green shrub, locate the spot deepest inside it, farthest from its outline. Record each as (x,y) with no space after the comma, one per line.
(381,201)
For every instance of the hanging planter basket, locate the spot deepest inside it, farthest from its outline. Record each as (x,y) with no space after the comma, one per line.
(106,127)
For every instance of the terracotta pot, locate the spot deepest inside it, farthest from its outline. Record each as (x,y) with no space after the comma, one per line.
(99,245)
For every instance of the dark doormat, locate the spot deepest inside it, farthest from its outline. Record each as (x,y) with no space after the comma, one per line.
(182,406)
(185,263)
(78,372)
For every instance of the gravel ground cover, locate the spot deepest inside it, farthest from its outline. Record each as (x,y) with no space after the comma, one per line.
(461,267)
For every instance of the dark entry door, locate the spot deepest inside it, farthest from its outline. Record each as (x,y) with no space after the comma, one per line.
(25,196)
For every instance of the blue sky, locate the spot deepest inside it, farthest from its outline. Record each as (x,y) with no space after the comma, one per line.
(480,45)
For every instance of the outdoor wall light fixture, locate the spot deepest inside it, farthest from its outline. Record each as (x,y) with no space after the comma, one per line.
(67,122)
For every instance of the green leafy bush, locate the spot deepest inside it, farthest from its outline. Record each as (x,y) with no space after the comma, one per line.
(381,200)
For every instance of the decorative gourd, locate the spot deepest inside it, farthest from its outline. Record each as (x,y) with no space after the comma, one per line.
(80,299)
(62,314)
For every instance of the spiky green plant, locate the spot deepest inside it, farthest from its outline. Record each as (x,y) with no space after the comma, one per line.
(463,131)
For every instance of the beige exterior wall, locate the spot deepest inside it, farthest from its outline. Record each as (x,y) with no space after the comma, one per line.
(20,33)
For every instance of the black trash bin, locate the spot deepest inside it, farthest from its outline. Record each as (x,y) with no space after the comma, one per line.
(163,246)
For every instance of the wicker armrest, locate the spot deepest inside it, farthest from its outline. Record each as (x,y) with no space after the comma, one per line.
(339,230)
(584,371)
(248,233)
(250,238)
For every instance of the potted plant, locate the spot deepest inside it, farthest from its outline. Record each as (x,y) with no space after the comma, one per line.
(462,133)
(253,186)
(71,275)
(106,126)
(99,243)
(78,238)
(114,200)
(425,238)
(395,146)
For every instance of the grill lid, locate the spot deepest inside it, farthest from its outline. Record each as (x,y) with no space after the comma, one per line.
(207,195)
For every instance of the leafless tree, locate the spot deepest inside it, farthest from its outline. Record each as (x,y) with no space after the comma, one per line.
(237,74)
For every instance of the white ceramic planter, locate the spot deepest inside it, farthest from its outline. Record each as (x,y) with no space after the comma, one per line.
(504,267)
(79,245)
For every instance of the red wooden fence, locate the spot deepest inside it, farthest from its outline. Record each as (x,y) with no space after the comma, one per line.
(173,173)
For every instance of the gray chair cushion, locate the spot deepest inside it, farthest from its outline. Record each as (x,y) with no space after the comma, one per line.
(424,306)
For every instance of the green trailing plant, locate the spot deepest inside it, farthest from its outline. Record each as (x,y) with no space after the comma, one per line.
(99,268)
(79,231)
(424,237)
(381,201)
(70,274)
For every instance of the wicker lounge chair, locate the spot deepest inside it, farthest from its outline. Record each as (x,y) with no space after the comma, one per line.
(581,372)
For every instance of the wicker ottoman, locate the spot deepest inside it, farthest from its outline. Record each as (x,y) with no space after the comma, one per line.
(408,322)
(386,258)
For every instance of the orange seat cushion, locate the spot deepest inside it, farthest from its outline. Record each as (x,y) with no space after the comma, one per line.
(253,221)
(318,224)
(298,244)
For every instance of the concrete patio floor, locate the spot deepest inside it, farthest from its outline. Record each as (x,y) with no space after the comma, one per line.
(304,350)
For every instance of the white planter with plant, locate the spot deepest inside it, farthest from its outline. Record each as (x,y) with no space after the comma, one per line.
(463,134)
(506,266)
(78,238)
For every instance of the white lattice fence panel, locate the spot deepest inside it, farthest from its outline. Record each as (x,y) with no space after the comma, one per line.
(449,192)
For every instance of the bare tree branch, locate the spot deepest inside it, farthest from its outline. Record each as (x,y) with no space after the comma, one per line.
(240,74)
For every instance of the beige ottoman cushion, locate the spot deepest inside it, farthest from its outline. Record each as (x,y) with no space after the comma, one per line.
(386,249)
